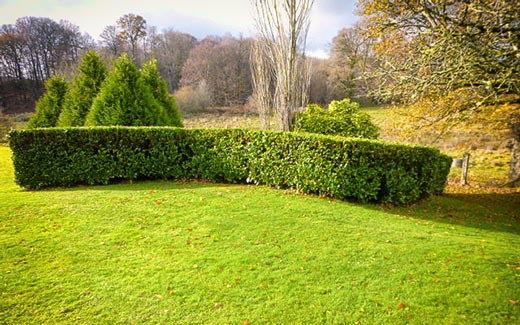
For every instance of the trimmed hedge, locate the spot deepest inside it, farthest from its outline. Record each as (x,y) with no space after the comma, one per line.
(347,169)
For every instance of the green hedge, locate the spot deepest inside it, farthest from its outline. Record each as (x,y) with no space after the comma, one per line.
(347,169)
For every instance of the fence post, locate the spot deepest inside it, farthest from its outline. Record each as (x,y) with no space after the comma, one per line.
(465,167)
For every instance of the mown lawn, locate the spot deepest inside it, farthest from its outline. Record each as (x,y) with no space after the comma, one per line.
(198,253)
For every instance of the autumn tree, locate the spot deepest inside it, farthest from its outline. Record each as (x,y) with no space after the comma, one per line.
(132,29)
(462,52)
(83,90)
(125,99)
(49,106)
(283,25)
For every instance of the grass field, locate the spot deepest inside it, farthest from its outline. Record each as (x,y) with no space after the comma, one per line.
(199,253)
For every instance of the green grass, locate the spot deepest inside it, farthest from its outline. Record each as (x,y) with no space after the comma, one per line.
(199,253)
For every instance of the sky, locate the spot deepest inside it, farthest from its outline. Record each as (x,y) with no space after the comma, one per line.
(199,18)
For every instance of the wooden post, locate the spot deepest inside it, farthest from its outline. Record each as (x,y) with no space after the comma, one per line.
(465,167)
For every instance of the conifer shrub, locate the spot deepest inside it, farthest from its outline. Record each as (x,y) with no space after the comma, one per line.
(50,105)
(83,90)
(342,118)
(347,169)
(125,99)
(159,87)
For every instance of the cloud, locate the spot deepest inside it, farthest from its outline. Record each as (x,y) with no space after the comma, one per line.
(329,16)
(197,17)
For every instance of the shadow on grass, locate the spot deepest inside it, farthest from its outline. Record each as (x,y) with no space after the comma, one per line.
(487,210)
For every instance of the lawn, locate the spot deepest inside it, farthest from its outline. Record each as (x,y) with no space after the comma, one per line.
(199,253)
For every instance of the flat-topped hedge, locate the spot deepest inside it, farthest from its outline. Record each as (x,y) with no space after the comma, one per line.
(347,169)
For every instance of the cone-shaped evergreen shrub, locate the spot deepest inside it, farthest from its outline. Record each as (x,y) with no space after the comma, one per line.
(83,90)
(125,99)
(343,118)
(151,75)
(49,106)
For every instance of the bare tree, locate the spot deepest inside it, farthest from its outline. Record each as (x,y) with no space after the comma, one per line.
(283,26)
(111,40)
(261,72)
(171,49)
(223,64)
(33,50)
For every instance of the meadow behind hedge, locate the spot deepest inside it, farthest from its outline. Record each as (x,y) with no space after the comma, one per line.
(343,168)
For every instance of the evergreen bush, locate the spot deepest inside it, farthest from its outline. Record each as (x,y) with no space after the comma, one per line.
(343,118)
(347,169)
(83,90)
(50,105)
(159,87)
(125,99)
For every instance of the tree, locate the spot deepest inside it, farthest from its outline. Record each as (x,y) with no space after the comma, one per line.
(319,91)
(462,50)
(261,76)
(151,76)
(125,99)
(283,26)
(132,29)
(110,38)
(351,58)
(223,64)
(11,53)
(34,49)
(83,90)
(49,106)
(171,49)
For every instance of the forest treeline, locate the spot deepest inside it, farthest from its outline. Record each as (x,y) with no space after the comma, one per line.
(214,71)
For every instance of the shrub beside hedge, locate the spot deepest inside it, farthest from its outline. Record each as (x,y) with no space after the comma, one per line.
(347,169)
(342,118)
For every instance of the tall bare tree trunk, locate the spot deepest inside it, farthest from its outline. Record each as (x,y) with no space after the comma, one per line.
(282,26)
(261,72)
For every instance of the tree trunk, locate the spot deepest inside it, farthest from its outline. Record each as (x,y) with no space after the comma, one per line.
(514,165)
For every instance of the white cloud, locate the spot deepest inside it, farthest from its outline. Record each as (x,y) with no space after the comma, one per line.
(197,17)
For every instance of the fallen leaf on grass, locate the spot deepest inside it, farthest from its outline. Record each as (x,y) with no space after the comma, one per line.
(437,280)
(513,302)
(401,305)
